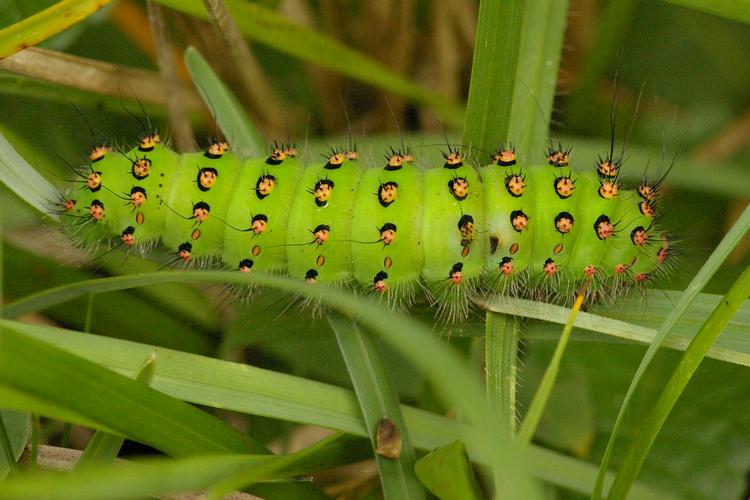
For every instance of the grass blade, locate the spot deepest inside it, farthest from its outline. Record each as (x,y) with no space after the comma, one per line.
(442,366)
(103,446)
(539,402)
(733,346)
(501,357)
(493,74)
(730,240)
(24,180)
(540,51)
(43,371)
(691,359)
(247,389)
(377,400)
(447,473)
(232,119)
(158,476)
(44,24)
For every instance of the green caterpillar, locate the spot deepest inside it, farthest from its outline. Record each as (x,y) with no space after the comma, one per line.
(539,231)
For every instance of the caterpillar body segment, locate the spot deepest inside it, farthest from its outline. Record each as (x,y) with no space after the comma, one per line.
(198,204)
(257,224)
(387,229)
(538,231)
(319,222)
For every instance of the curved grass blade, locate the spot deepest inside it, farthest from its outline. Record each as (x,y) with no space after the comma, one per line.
(733,346)
(442,366)
(248,389)
(44,24)
(103,446)
(718,256)
(651,424)
(24,180)
(447,473)
(232,119)
(42,371)
(158,476)
(377,400)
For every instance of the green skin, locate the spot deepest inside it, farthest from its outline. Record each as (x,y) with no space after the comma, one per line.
(403,258)
(428,244)
(239,239)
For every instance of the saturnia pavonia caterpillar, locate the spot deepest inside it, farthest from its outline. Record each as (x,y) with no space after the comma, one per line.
(539,231)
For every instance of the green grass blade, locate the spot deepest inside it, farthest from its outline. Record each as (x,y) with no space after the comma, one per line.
(494,74)
(447,473)
(501,365)
(9,463)
(737,10)
(441,365)
(226,109)
(44,24)
(733,346)
(514,74)
(377,399)
(24,180)
(540,51)
(43,371)
(247,389)
(718,256)
(652,423)
(103,446)
(539,402)
(270,28)
(158,476)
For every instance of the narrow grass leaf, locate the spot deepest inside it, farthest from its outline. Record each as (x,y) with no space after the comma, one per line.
(103,446)
(270,28)
(540,50)
(447,473)
(377,400)
(652,423)
(717,257)
(494,73)
(24,180)
(14,432)
(541,396)
(248,389)
(224,106)
(442,366)
(43,371)
(159,476)
(44,24)
(733,346)
(501,365)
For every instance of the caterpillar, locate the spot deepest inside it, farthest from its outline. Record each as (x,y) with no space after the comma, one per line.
(454,230)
